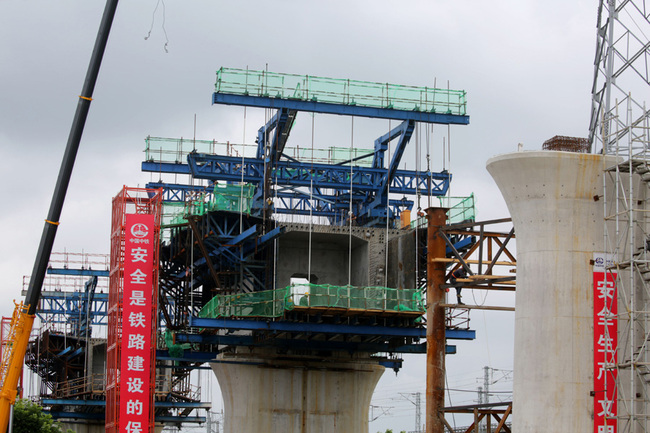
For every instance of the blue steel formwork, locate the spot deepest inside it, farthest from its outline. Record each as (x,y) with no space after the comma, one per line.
(232,253)
(306,188)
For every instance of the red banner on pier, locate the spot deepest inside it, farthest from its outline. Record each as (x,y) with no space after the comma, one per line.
(605,345)
(137,362)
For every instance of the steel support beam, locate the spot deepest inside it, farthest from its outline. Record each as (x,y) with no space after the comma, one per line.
(340,109)
(324,328)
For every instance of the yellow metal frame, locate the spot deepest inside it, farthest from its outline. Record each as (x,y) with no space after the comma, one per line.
(12,360)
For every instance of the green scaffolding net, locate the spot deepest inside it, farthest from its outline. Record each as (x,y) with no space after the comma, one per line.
(461,209)
(234,198)
(274,303)
(175,151)
(340,91)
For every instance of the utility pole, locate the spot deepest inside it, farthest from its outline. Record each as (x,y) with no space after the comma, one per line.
(435,379)
(418,414)
(486,384)
(417,401)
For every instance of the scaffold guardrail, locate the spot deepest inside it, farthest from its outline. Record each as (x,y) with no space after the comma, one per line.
(175,151)
(274,303)
(340,91)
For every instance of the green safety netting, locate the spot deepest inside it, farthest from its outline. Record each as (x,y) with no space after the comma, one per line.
(340,91)
(234,198)
(175,151)
(273,303)
(175,350)
(461,209)
(333,155)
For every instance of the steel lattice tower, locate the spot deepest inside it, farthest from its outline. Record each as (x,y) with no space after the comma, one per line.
(619,127)
(621,72)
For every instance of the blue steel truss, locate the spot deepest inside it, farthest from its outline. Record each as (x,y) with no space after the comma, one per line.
(294,180)
(226,256)
(69,307)
(318,189)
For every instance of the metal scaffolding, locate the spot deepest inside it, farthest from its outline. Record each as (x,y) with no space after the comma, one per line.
(619,128)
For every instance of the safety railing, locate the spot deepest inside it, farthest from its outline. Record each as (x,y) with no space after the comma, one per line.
(340,91)
(274,303)
(93,384)
(461,209)
(175,151)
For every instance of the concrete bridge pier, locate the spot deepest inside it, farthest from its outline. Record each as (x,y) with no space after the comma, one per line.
(265,392)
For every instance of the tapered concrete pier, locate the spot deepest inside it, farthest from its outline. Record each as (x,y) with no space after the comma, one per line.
(559,225)
(265,392)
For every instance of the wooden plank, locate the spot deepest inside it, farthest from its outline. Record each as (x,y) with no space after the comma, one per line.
(477,233)
(478,307)
(502,423)
(471,262)
(478,279)
(444,421)
(509,287)
(487,277)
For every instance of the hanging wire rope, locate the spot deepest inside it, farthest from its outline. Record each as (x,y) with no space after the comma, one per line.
(387,160)
(153,20)
(350,211)
(275,220)
(311,198)
(418,210)
(241,188)
(429,138)
(191,270)
(453,416)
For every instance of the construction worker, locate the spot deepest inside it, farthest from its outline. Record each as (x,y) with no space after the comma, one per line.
(458,273)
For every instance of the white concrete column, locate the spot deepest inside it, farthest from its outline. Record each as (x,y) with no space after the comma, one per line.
(83,427)
(558,227)
(272,394)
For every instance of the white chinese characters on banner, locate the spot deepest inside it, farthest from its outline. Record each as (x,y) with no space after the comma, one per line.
(137,354)
(605,345)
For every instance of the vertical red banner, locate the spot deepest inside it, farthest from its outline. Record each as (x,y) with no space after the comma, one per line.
(605,345)
(136,361)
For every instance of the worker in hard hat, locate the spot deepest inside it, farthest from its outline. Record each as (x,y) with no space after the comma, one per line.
(456,274)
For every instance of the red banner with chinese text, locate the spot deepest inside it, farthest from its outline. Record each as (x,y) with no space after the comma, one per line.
(136,357)
(605,346)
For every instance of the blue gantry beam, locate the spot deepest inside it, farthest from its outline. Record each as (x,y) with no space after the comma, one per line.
(324,328)
(340,109)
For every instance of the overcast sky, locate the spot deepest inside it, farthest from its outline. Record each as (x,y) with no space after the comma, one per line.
(526,66)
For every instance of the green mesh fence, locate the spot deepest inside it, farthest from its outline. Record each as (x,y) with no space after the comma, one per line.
(234,198)
(273,303)
(333,155)
(175,151)
(340,91)
(460,209)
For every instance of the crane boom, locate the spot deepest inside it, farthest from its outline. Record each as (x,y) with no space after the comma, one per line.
(24,316)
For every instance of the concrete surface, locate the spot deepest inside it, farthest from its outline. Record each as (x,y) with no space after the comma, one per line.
(558,227)
(267,393)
